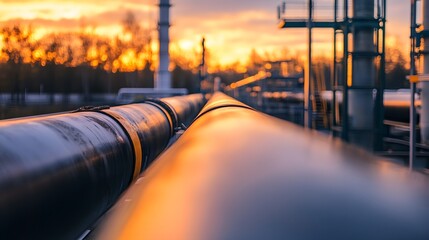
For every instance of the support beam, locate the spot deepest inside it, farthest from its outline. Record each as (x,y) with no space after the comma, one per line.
(361,103)
(361,82)
(308,111)
(413,85)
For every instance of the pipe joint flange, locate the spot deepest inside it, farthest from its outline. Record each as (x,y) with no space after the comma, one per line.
(182,127)
(176,124)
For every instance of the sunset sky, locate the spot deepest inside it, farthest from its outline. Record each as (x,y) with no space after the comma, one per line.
(232,28)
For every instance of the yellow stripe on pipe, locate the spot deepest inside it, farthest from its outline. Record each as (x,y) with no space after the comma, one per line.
(138,153)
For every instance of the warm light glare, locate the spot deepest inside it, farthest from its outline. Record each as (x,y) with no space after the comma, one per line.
(261,75)
(230,37)
(186,45)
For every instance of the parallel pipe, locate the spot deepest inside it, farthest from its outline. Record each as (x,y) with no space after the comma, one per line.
(239,174)
(60,173)
(396,103)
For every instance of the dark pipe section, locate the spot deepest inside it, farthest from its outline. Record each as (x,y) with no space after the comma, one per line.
(152,125)
(239,174)
(60,173)
(184,107)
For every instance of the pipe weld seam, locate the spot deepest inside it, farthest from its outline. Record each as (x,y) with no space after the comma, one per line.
(223,106)
(134,138)
(168,111)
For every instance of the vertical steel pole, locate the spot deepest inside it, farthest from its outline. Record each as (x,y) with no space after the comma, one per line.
(345,108)
(334,69)
(307,83)
(413,85)
(424,115)
(381,81)
(201,70)
(361,101)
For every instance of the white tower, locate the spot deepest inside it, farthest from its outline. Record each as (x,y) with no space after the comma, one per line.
(163,76)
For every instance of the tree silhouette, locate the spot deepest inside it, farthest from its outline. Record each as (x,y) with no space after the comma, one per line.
(396,69)
(17,49)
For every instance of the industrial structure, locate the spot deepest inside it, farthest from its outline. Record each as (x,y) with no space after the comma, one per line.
(353,96)
(358,116)
(163,76)
(419,48)
(424,84)
(276,90)
(419,33)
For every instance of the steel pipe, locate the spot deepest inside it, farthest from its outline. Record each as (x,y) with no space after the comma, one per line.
(186,106)
(239,174)
(60,173)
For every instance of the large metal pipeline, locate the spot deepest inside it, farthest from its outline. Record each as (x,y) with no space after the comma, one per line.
(60,173)
(239,174)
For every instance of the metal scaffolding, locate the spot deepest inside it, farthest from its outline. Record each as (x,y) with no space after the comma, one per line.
(358,81)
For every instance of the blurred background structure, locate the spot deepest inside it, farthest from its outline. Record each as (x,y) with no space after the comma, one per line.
(351,161)
(347,91)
